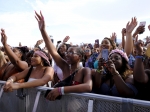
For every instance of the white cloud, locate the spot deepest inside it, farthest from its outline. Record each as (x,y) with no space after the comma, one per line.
(82,20)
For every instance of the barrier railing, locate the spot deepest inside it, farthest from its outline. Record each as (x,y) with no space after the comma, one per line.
(34,101)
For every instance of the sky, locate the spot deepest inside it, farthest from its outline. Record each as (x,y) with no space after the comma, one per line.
(82,20)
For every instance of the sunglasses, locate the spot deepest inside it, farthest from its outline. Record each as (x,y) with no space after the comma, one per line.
(87,50)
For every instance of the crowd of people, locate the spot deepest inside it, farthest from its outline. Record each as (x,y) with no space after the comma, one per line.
(107,67)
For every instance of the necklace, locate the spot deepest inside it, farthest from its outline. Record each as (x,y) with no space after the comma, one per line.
(72,71)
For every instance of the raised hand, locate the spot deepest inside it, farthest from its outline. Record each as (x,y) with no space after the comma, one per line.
(147,39)
(131,25)
(40,19)
(3,37)
(149,27)
(136,38)
(66,39)
(113,36)
(139,30)
(123,32)
(138,47)
(39,42)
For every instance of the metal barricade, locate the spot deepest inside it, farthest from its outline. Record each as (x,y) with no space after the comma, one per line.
(35,101)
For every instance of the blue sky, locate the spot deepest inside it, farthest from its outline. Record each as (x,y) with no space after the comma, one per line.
(82,20)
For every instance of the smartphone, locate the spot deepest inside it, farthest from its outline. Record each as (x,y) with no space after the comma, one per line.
(58,98)
(90,46)
(97,43)
(105,54)
(142,23)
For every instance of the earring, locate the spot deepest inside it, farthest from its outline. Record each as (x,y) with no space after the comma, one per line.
(42,64)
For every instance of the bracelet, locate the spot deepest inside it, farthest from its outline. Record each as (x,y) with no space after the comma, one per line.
(62,91)
(140,57)
(99,71)
(11,79)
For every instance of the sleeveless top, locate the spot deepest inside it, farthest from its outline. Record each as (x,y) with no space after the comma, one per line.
(106,90)
(32,79)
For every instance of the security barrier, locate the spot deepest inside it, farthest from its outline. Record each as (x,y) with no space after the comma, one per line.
(32,100)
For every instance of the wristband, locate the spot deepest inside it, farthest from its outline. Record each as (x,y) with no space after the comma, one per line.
(62,90)
(140,57)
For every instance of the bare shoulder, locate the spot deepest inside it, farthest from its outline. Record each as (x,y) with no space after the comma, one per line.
(49,68)
(86,70)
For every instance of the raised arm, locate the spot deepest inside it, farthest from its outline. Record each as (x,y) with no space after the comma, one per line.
(129,40)
(51,48)
(138,71)
(123,39)
(2,59)
(12,56)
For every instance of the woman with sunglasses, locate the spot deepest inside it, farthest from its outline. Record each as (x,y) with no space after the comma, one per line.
(87,59)
(82,80)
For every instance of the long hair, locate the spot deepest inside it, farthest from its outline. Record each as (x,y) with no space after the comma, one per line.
(113,44)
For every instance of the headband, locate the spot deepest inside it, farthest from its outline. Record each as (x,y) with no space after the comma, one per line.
(41,54)
(123,54)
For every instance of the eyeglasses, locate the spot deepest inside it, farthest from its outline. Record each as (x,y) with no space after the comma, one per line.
(70,53)
(87,50)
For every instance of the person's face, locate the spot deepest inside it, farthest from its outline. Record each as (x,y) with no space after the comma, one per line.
(117,60)
(96,50)
(72,56)
(17,52)
(87,52)
(36,60)
(62,48)
(105,44)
